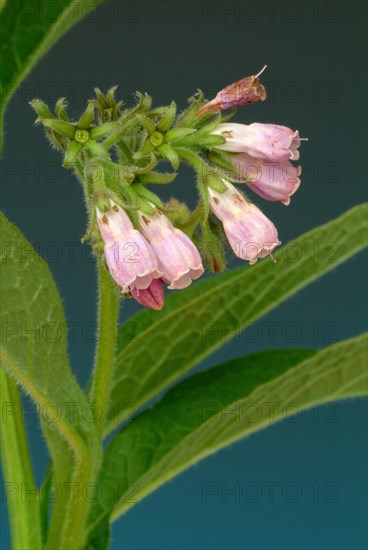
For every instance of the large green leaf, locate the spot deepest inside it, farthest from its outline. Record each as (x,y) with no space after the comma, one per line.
(217,407)
(155,348)
(28,30)
(34,352)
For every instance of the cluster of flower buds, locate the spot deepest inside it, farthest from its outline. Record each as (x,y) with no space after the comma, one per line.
(144,242)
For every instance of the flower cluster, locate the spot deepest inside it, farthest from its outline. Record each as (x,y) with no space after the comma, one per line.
(147,243)
(140,261)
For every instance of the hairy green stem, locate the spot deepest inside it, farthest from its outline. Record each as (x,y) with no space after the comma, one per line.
(19,484)
(108,310)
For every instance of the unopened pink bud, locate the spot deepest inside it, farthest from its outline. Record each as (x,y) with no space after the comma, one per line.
(178,258)
(152,297)
(131,260)
(250,233)
(264,141)
(274,181)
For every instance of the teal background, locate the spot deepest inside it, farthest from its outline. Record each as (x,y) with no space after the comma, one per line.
(316,79)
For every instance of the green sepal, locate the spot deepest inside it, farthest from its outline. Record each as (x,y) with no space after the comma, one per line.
(134,202)
(145,151)
(147,194)
(168,118)
(72,152)
(60,109)
(103,129)
(156,177)
(203,191)
(147,123)
(41,109)
(61,127)
(86,119)
(180,216)
(97,149)
(108,109)
(200,121)
(94,175)
(197,137)
(117,174)
(178,133)
(212,140)
(221,161)
(212,247)
(56,140)
(195,161)
(110,97)
(144,102)
(187,117)
(237,179)
(146,206)
(225,118)
(215,182)
(148,167)
(169,153)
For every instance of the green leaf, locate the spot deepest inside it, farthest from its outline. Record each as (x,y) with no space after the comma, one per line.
(156,348)
(34,353)
(29,30)
(24,514)
(213,409)
(100,538)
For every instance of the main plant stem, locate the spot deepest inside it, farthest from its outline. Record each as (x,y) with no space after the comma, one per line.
(19,485)
(108,310)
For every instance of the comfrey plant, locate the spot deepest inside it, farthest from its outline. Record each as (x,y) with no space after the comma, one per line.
(147,243)
(142,244)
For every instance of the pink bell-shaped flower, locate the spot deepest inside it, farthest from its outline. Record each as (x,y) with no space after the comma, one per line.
(274,181)
(263,141)
(250,233)
(178,258)
(131,260)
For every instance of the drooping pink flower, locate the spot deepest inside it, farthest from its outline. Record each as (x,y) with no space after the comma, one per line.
(245,91)
(131,260)
(178,258)
(152,297)
(250,233)
(264,141)
(274,181)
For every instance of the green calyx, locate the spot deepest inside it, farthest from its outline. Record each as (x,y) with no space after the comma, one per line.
(140,138)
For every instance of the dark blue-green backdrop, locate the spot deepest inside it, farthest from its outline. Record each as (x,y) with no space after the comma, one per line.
(316,82)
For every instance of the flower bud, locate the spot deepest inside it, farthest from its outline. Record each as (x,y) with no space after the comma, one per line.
(274,181)
(178,258)
(131,260)
(152,297)
(264,141)
(250,233)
